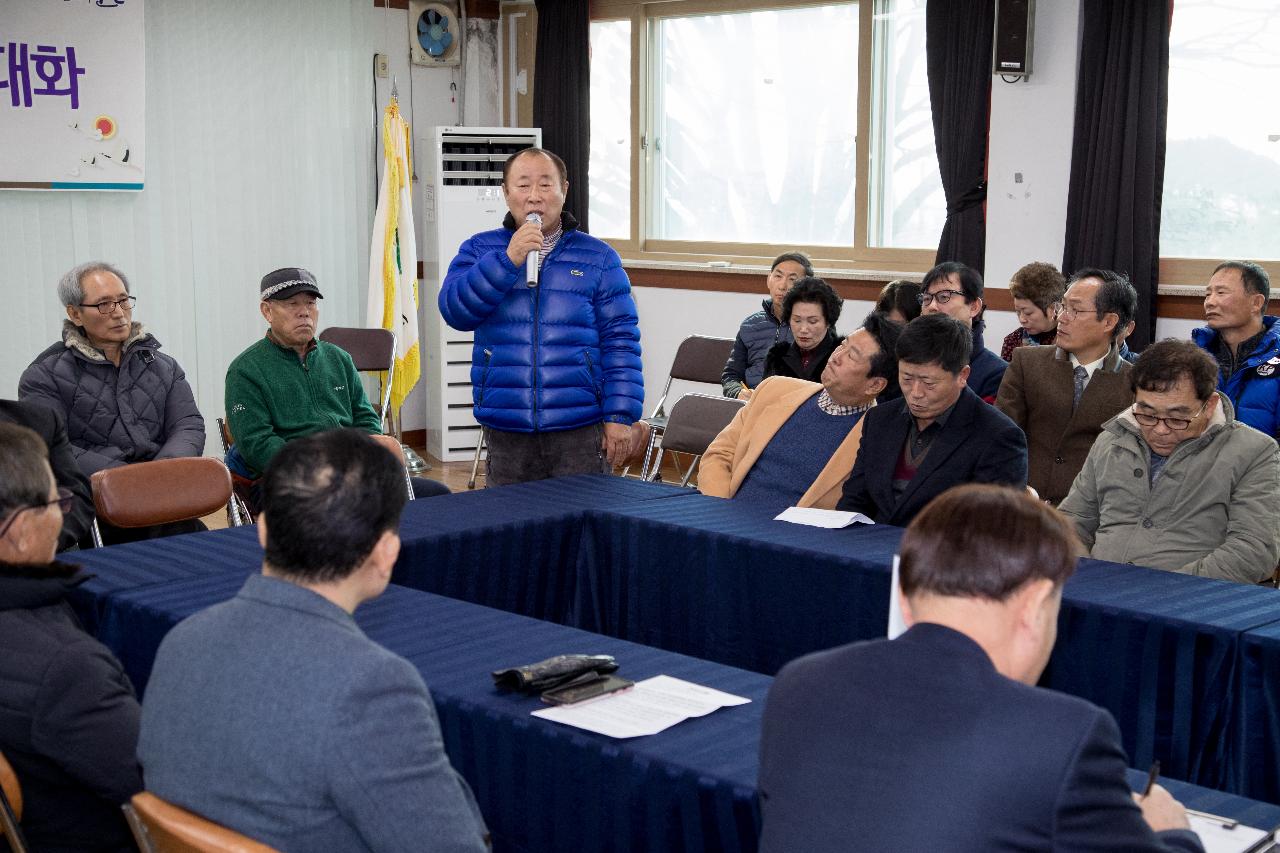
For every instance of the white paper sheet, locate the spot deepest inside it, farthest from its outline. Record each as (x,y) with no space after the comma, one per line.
(829,518)
(1220,838)
(652,705)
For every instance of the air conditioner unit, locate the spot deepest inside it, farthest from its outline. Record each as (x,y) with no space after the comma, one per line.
(434,36)
(462,196)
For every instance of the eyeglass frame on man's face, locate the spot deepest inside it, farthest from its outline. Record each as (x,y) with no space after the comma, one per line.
(65,500)
(942,297)
(1169,422)
(107,306)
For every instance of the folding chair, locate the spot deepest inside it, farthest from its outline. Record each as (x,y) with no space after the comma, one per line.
(161,827)
(160,492)
(695,421)
(698,359)
(11,807)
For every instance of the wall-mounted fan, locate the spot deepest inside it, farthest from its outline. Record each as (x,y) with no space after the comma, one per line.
(434,36)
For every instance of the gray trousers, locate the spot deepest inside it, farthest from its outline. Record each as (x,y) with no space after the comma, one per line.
(518,457)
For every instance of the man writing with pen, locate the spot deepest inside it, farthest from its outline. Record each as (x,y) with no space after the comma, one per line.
(555,370)
(939,739)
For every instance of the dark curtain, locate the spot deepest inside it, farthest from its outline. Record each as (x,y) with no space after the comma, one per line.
(958,43)
(562,91)
(1117,157)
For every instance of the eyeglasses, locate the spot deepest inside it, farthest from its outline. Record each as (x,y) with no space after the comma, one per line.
(107,307)
(942,296)
(1176,424)
(1070,313)
(64,500)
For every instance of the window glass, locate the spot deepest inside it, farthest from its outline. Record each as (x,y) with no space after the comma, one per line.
(907,205)
(755,126)
(1222,166)
(609,188)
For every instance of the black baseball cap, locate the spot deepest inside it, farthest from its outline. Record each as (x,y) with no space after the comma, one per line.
(286,282)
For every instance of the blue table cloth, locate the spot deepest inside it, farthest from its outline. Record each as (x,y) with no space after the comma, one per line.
(1256,773)
(721,580)
(512,547)
(545,787)
(1159,651)
(541,786)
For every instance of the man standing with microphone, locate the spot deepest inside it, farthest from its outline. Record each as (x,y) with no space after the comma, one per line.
(555,371)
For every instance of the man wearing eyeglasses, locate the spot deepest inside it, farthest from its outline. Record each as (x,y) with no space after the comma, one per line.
(1176,482)
(956,290)
(1061,395)
(69,718)
(123,399)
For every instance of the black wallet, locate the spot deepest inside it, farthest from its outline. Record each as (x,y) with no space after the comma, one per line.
(552,672)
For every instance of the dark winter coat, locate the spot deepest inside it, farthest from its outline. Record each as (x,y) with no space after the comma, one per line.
(68,716)
(139,411)
(784,359)
(757,334)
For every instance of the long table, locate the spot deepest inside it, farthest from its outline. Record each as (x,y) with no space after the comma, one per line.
(541,786)
(1186,665)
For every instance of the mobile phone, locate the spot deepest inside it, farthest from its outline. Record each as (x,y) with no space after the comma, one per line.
(583,691)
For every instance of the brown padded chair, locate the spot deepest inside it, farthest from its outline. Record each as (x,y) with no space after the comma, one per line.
(696,420)
(10,807)
(161,827)
(372,350)
(160,492)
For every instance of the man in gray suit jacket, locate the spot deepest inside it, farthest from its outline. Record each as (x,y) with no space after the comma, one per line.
(273,714)
(1062,395)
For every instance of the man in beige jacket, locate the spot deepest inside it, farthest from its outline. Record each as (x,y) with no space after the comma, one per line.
(795,442)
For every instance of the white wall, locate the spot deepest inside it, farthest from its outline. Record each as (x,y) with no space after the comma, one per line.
(1031,128)
(259,154)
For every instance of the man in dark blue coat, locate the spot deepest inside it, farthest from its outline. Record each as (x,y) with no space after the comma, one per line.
(938,435)
(555,373)
(939,740)
(956,290)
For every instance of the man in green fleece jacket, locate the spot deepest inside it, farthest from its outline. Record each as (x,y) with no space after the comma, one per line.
(289,385)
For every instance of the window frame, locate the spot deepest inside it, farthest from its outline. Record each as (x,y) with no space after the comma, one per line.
(640,247)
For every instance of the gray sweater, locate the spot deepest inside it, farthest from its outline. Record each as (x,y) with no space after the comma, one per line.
(1214,511)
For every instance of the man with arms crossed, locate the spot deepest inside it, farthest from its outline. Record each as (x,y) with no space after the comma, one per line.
(940,434)
(940,740)
(795,442)
(273,714)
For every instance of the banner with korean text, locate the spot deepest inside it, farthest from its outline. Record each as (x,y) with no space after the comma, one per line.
(72,94)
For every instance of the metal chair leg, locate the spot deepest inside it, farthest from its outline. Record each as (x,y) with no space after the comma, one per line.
(475,463)
(654,433)
(97,534)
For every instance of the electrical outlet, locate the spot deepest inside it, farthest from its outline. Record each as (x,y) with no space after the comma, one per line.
(380,66)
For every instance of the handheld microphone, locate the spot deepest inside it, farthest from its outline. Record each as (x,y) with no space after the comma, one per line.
(531,262)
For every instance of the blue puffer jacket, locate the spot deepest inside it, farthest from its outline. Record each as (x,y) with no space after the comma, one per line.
(559,356)
(1254,388)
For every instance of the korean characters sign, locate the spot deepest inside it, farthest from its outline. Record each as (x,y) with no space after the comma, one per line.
(72,94)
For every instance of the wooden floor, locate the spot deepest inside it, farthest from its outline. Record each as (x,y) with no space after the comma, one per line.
(455,476)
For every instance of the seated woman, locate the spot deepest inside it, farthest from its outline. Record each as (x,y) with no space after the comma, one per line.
(745,367)
(899,301)
(810,310)
(1037,291)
